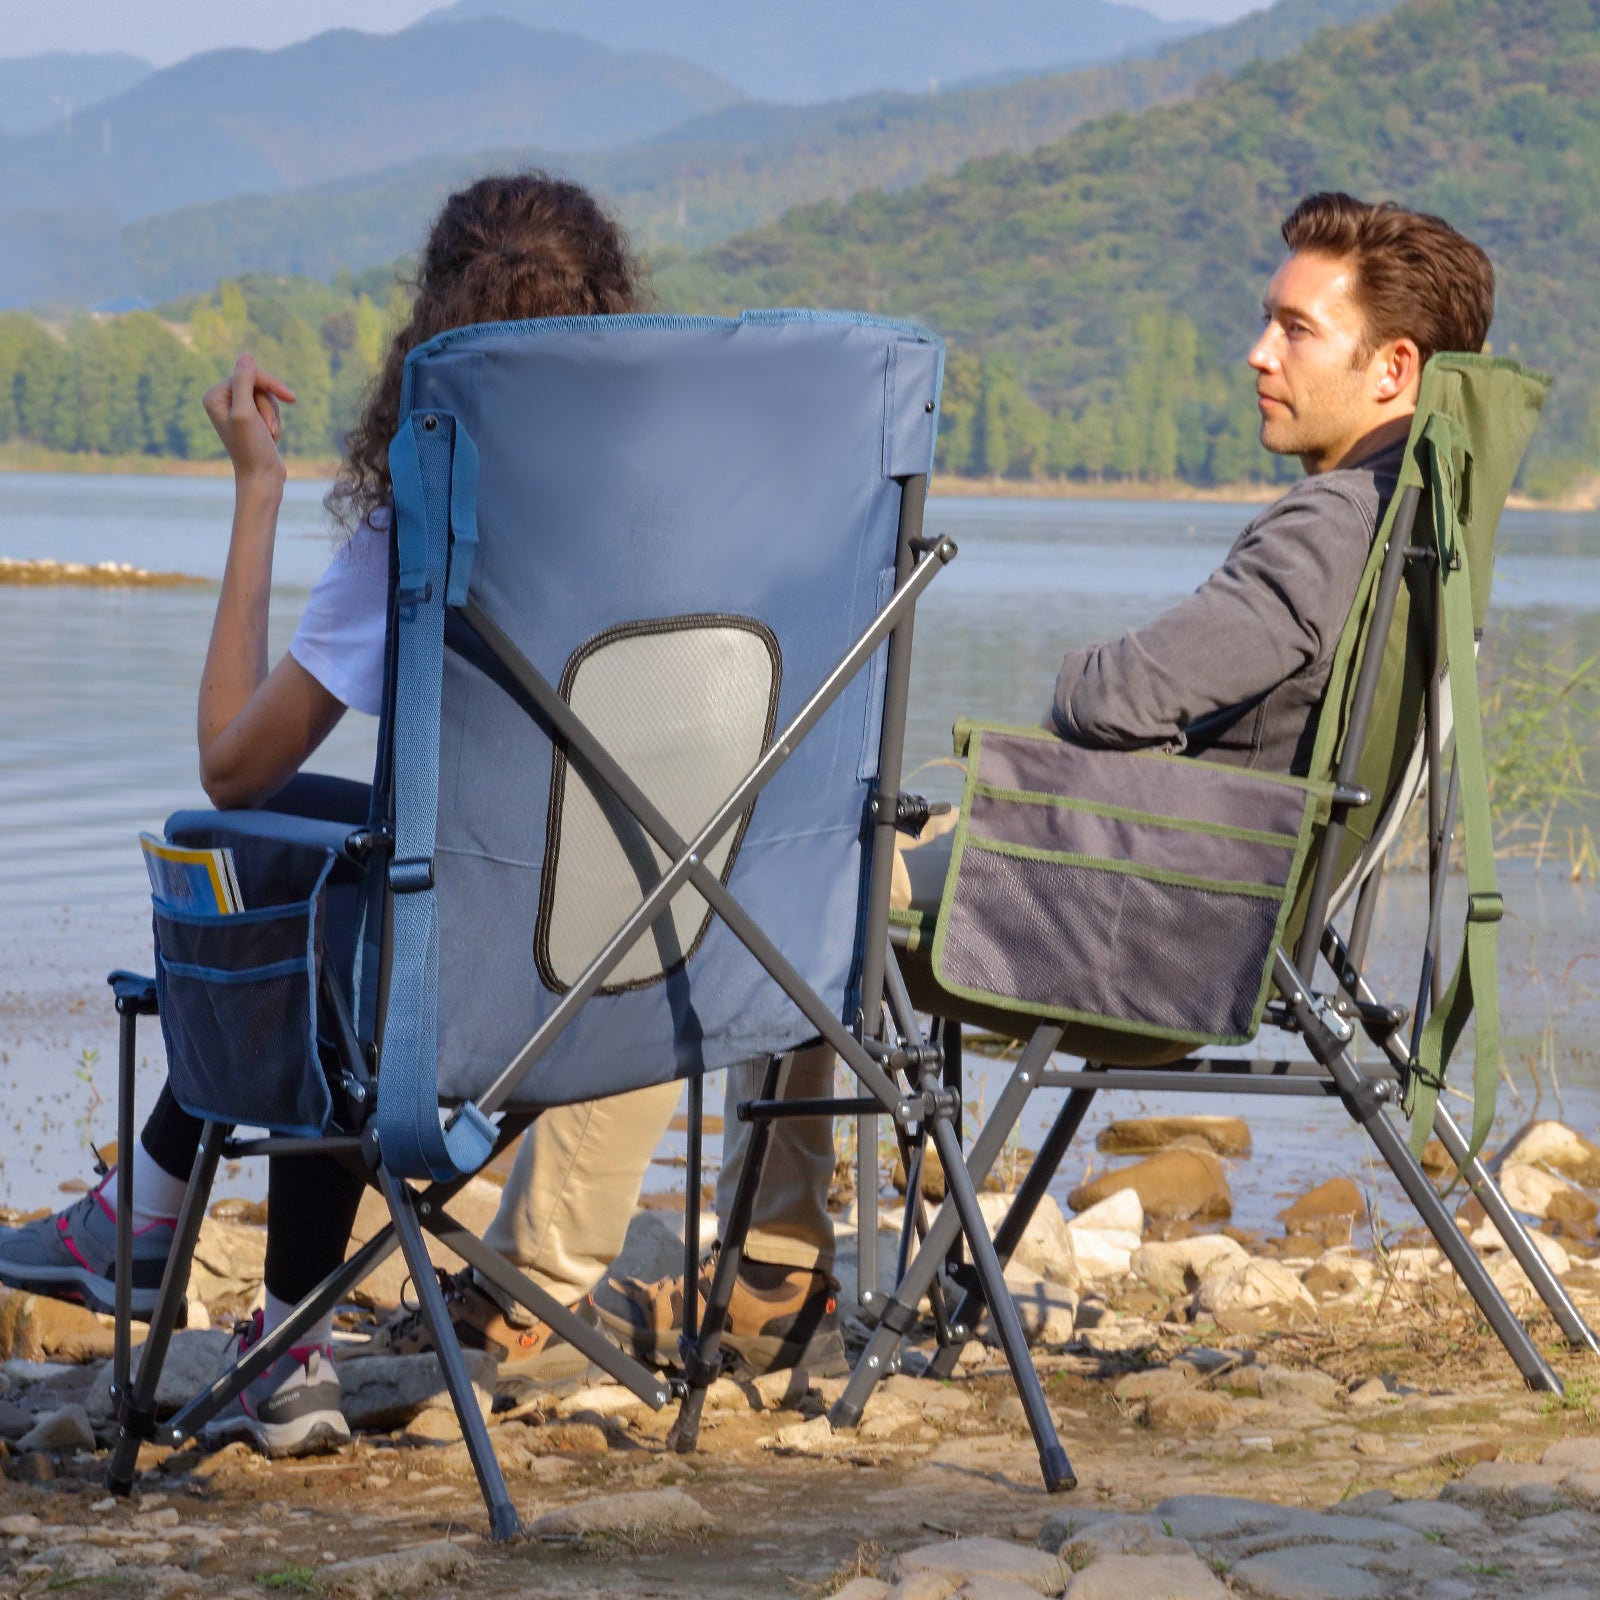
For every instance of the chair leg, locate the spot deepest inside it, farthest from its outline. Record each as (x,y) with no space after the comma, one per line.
(1009,1234)
(1365,1103)
(702,1352)
(136,1405)
(122,1347)
(867,1291)
(900,1313)
(504,1523)
(1053,1463)
(1510,1228)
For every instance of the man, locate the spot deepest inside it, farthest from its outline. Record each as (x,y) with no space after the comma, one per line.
(1236,672)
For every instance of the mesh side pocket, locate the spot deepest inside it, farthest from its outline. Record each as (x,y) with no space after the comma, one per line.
(1109,947)
(1128,890)
(238,1003)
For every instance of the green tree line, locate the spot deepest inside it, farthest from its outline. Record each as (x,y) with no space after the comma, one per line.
(132,384)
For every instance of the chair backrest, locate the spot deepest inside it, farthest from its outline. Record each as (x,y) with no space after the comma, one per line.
(683,524)
(1495,404)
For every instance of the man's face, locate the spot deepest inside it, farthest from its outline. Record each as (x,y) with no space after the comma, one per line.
(1318,392)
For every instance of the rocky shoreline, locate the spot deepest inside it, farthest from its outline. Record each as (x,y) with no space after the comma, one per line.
(1295,1418)
(81,575)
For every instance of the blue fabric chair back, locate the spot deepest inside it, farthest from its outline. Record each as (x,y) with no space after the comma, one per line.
(710,505)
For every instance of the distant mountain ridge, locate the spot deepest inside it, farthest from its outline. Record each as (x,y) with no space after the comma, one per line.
(712,175)
(833,49)
(341,104)
(1066,263)
(37,91)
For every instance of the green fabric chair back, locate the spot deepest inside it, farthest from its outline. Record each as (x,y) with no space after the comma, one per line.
(1495,404)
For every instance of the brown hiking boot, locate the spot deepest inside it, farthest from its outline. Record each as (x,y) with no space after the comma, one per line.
(778,1317)
(535,1352)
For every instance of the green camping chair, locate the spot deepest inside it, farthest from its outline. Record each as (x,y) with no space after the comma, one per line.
(1222,886)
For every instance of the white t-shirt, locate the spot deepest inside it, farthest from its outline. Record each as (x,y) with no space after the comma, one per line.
(340,637)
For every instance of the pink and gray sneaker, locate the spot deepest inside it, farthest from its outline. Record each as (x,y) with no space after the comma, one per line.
(292,1409)
(73,1255)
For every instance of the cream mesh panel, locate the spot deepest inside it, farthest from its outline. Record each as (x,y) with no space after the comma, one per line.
(686,711)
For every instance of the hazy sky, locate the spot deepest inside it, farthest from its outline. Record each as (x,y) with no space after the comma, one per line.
(164,31)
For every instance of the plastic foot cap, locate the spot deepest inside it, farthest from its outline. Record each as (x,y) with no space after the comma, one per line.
(844,1415)
(504,1523)
(1057,1470)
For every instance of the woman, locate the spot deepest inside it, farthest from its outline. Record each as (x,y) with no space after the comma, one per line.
(507,248)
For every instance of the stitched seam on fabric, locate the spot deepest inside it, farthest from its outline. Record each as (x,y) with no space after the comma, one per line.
(1220,830)
(1126,869)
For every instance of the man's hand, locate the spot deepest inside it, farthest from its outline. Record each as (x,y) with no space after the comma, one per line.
(244,411)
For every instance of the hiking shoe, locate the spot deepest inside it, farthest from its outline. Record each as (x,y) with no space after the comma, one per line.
(535,1353)
(73,1255)
(292,1409)
(778,1317)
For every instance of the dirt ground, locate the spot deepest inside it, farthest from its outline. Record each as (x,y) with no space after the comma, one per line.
(789,1514)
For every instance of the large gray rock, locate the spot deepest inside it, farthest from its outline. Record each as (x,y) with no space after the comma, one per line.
(59,1432)
(381,1393)
(1186,1181)
(1314,1572)
(644,1511)
(1217,1516)
(1046,1247)
(1173,1576)
(1573,1455)
(1047,1309)
(968,1559)
(1105,1235)
(1107,1536)
(1547,1195)
(229,1259)
(395,1572)
(1176,1266)
(1298,1386)
(1556,1148)
(194,1359)
(1258,1288)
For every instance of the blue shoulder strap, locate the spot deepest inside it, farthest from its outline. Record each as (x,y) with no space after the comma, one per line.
(434,467)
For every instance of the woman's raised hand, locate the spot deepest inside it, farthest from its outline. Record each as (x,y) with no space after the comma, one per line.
(244,411)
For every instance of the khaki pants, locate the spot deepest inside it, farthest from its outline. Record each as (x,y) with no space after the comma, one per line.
(577,1173)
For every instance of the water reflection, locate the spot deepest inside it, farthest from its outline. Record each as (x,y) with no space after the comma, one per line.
(97,742)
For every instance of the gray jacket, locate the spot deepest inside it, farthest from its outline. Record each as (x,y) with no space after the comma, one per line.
(1236,672)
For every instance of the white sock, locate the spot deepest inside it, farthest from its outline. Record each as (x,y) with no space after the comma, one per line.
(157,1194)
(275,1312)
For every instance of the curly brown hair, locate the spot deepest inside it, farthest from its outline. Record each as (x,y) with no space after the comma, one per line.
(508,247)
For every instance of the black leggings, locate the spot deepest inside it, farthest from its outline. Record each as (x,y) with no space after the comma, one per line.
(311,1200)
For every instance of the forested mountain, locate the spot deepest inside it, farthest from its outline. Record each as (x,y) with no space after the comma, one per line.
(255,121)
(713,175)
(828,48)
(1108,280)
(1097,294)
(36,91)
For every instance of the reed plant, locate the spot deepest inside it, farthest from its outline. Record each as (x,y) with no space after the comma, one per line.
(1541,720)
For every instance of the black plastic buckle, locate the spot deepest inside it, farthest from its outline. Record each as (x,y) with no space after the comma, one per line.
(411,874)
(1485,907)
(911,812)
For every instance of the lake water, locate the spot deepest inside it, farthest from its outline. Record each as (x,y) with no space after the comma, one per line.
(97,698)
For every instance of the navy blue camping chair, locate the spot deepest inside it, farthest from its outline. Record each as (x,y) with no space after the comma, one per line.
(653,589)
